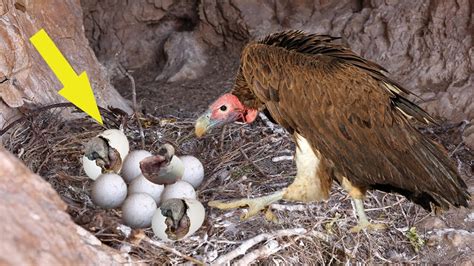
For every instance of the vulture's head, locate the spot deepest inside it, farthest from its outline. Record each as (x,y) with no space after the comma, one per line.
(226,109)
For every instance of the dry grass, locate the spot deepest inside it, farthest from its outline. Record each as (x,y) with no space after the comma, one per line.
(238,163)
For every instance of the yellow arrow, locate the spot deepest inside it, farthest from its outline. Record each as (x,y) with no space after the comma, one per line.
(77,89)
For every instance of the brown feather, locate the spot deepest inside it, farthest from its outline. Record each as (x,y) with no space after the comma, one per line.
(312,44)
(343,106)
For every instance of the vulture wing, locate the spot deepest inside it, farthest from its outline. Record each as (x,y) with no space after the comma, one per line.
(352,114)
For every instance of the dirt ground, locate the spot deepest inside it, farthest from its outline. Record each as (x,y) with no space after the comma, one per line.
(240,161)
(184,99)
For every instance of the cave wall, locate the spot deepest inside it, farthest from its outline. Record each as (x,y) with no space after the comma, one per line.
(134,33)
(426,45)
(25,79)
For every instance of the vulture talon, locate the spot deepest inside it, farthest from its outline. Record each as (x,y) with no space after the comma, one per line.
(363,221)
(255,205)
(368,226)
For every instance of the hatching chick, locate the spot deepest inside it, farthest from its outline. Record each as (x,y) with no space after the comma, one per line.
(106,157)
(163,168)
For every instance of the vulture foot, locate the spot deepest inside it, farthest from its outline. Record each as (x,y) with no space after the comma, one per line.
(363,221)
(255,205)
(368,226)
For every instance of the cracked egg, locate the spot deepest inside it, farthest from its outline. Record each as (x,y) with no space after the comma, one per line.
(177,219)
(105,153)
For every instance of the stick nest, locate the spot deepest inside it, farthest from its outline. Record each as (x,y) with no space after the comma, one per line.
(238,163)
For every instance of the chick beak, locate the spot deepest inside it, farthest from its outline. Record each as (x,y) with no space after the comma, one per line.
(203,123)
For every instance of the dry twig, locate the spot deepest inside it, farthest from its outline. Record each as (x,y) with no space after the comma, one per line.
(172,250)
(252,163)
(57,157)
(134,103)
(247,244)
(282,158)
(270,248)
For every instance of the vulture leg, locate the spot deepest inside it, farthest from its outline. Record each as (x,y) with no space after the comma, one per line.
(255,205)
(358,199)
(311,184)
(312,181)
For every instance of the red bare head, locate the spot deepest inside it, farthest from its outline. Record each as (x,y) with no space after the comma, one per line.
(226,109)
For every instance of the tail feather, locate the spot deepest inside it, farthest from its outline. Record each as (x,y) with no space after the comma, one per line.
(451,188)
(430,178)
(413,110)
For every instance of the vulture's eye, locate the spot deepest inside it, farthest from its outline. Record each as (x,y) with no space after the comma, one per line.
(223,108)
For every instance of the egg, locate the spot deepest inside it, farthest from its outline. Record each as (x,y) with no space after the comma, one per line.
(90,168)
(131,164)
(138,210)
(117,140)
(109,191)
(159,171)
(193,170)
(106,152)
(177,219)
(174,171)
(178,190)
(141,185)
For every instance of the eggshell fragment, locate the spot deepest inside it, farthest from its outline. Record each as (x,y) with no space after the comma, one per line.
(160,171)
(178,190)
(142,185)
(193,170)
(192,221)
(90,168)
(109,191)
(117,140)
(131,164)
(174,171)
(138,210)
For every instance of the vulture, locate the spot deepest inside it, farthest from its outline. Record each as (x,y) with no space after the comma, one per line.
(351,123)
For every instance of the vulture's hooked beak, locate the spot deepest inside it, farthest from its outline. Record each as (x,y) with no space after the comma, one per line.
(204,123)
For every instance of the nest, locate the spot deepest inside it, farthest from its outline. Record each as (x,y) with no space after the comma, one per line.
(240,161)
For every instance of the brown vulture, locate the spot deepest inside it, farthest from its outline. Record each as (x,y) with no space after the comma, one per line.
(351,124)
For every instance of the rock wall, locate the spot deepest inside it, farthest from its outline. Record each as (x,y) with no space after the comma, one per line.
(134,33)
(426,45)
(36,230)
(25,79)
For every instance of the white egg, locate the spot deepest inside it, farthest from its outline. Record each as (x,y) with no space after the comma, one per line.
(178,190)
(194,218)
(131,164)
(193,170)
(159,171)
(138,210)
(109,191)
(174,170)
(90,168)
(142,185)
(117,140)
